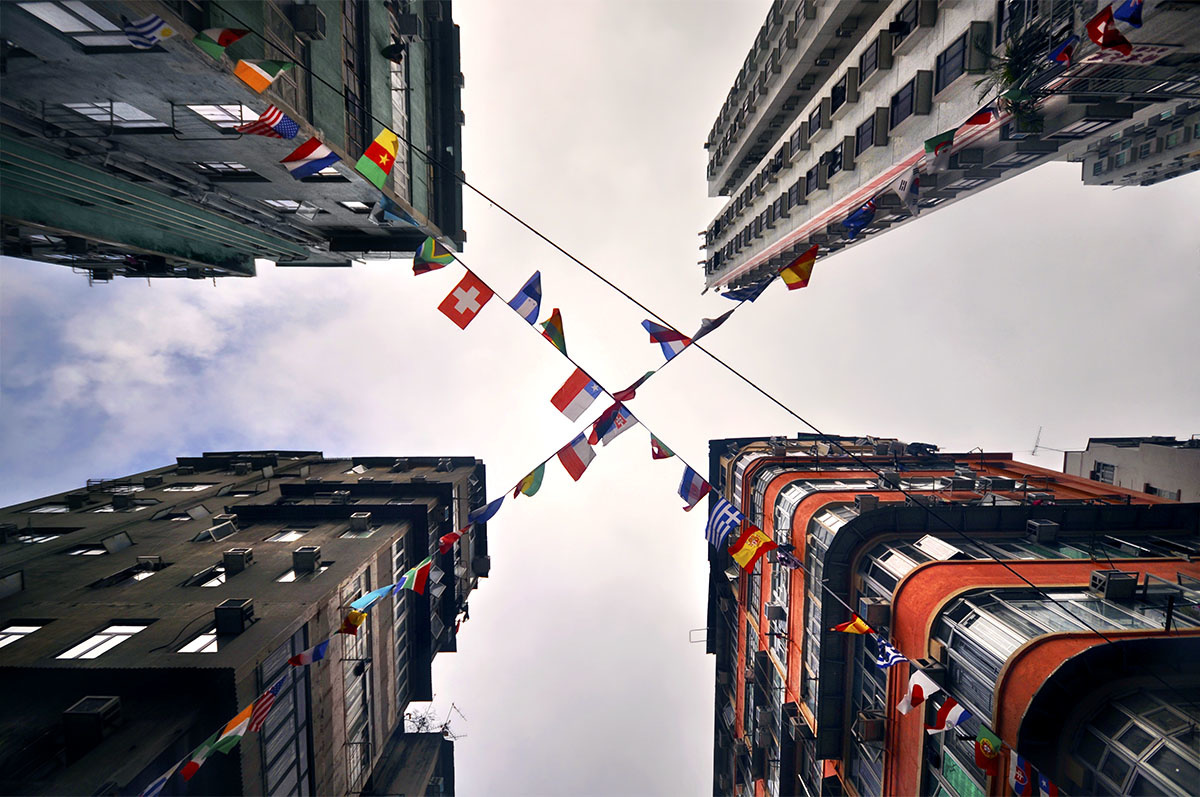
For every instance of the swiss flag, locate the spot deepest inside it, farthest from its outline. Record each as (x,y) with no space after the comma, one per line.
(466,300)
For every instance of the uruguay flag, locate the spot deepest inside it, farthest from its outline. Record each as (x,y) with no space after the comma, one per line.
(528,301)
(672,342)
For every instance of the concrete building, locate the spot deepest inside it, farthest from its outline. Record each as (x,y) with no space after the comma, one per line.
(1161,466)
(138,615)
(835,101)
(931,549)
(118,160)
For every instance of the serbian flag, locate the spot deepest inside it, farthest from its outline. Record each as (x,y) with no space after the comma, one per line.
(855,625)
(315,653)
(949,715)
(1131,12)
(353,620)
(431,256)
(576,394)
(1064,52)
(309,158)
(671,341)
(797,273)
(659,450)
(750,547)
(692,488)
(445,543)
(1103,31)
(612,422)
(576,455)
(920,688)
(466,300)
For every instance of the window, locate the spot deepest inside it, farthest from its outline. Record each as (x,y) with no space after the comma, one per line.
(292,575)
(205,642)
(226,170)
(352,534)
(864,136)
(951,63)
(1083,128)
(1104,472)
(905,22)
(99,644)
(1173,139)
(1098,167)
(868,62)
(1122,158)
(282,205)
(797,142)
(11,633)
(1170,495)
(902,102)
(49,509)
(187,488)
(810,180)
(1145,150)
(354,206)
(137,505)
(838,95)
(117,114)
(81,23)
(90,549)
(286,535)
(225,116)
(814,121)
(833,159)
(36,538)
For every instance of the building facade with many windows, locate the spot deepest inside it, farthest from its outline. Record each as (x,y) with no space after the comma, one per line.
(835,101)
(137,615)
(1162,466)
(125,161)
(1061,613)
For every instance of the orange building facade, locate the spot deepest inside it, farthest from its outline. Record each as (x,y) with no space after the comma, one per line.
(1061,613)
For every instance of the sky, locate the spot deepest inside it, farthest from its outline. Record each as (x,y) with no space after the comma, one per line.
(1039,303)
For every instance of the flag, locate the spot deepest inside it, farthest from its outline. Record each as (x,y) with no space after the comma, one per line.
(829,768)
(1065,51)
(528,301)
(552,330)
(353,620)
(1130,12)
(576,394)
(671,341)
(486,512)
(692,488)
(198,757)
(949,715)
(576,455)
(748,293)
(416,578)
(920,687)
(1045,787)
(446,542)
(273,123)
(709,324)
(612,422)
(262,706)
(982,116)
(368,600)
(466,300)
(1103,31)
(937,151)
(376,163)
(789,561)
(750,547)
(258,75)
(987,751)
(856,221)
(855,625)
(887,656)
(431,256)
(313,654)
(659,450)
(214,40)
(145,33)
(907,187)
(309,158)
(631,391)
(1022,775)
(797,273)
(385,211)
(724,519)
(531,483)
(158,784)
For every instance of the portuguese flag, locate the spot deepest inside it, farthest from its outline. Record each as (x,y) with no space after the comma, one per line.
(258,75)
(376,163)
(214,40)
(552,330)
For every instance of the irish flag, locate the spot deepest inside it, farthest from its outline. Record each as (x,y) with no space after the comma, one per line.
(223,741)
(377,162)
(258,75)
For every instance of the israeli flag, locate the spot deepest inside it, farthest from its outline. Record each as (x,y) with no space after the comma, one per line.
(528,301)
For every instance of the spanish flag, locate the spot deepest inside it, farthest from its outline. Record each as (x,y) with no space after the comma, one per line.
(353,620)
(856,626)
(377,162)
(750,547)
(797,273)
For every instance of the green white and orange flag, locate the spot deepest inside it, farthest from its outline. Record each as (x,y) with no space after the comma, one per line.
(552,330)
(222,741)
(856,625)
(214,40)
(377,162)
(797,273)
(531,483)
(258,75)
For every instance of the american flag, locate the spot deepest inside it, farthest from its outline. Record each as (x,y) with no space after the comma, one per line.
(273,123)
(724,519)
(262,706)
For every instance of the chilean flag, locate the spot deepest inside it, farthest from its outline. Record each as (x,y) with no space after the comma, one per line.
(920,688)
(949,715)
(672,342)
(576,394)
(575,456)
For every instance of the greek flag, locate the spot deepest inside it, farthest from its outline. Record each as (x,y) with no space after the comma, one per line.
(724,519)
(144,34)
(888,655)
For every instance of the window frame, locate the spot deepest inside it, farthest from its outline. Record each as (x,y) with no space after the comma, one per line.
(104,640)
(945,71)
(906,93)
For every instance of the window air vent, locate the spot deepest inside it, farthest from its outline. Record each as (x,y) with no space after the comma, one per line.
(152,481)
(1042,531)
(237,559)
(88,721)
(869,726)
(360,521)
(234,616)
(1113,584)
(341,496)
(306,559)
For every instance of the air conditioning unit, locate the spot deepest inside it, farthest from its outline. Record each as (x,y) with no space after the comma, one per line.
(121,501)
(366,479)
(481,566)
(870,726)
(1042,531)
(957,482)
(237,559)
(866,503)
(234,616)
(241,468)
(1113,584)
(231,519)
(152,481)
(185,470)
(308,21)
(313,480)
(890,478)
(306,558)
(341,497)
(1039,498)
(934,669)
(407,26)
(776,612)
(88,721)
(76,501)
(360,521)
(997,483)
(876,611)
(150,562)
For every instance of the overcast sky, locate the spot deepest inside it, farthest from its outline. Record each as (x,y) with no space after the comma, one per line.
(1040,302)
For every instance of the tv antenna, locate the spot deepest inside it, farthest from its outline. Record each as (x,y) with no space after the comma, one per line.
(1037,443)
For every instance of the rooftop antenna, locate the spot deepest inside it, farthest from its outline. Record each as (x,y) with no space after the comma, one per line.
(1037,443)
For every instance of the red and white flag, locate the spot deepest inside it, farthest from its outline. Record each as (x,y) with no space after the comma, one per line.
(920,688)
(262,706)
(949,715)
(576,394)
(466,300)
(576,455)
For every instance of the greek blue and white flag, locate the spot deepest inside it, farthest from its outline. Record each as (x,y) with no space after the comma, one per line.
(724,519)
(144,34)
(888,655)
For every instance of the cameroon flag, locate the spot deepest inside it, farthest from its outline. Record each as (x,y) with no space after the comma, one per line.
(377,162)
(531,483)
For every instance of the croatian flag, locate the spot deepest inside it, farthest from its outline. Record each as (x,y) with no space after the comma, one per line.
(692,488)
(576,394)
(528,301)
(672,342)
(315,653)
(575,456)
(920,687)
(309,158)
(949,715)
(485,513)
